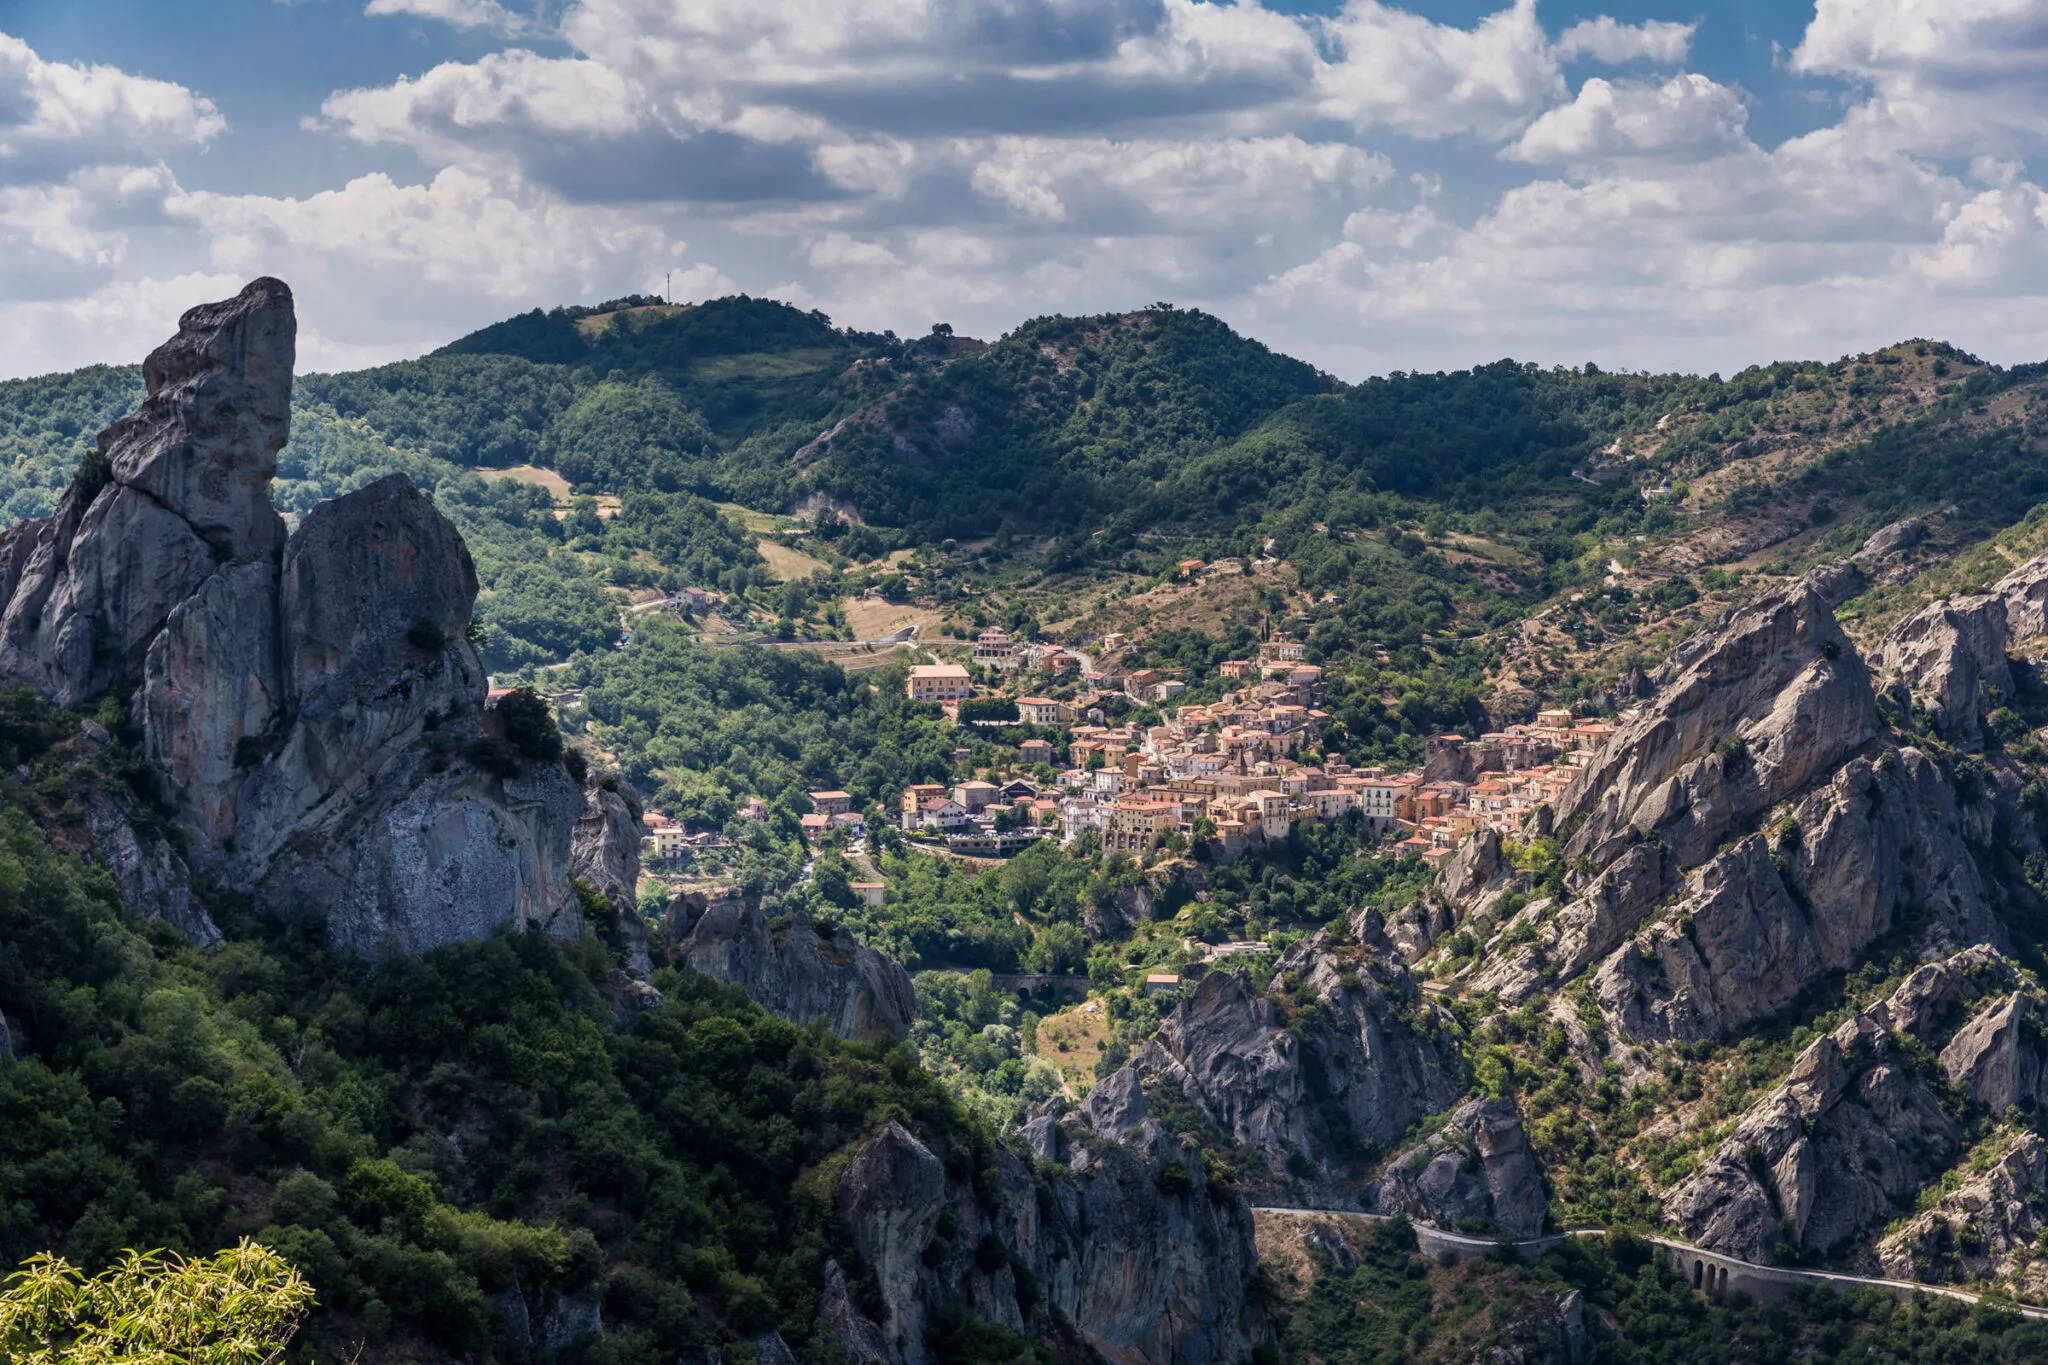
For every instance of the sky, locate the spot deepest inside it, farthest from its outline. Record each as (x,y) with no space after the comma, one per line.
(1694,185)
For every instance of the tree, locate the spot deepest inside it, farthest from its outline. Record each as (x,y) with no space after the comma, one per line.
(239,1307)
(529,724)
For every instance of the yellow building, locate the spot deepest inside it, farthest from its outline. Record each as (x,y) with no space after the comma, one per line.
(940,683)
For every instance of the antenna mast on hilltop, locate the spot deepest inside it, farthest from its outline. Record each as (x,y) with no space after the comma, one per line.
(667,291)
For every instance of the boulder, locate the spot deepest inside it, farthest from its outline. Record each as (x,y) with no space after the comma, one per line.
(794,972)
(1474,1173)
(1894,539)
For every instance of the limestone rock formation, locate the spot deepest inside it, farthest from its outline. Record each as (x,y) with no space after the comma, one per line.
(1133,1248)
(175,491)
(605,851)
(1987,1228)
(1750,831)
(793,971)
(605,854)
(1851,1131)
(310,701)
(1475,1172)
(424,858)
(1754,711)
(1371,1059)
(153,880)
(1948,655)
(1995,1059)
(1475,870)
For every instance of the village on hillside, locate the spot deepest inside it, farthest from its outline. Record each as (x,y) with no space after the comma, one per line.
(1228,775)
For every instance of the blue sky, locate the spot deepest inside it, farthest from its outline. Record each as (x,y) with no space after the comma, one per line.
(1372,186)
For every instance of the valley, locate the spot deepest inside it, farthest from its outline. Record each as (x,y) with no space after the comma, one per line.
(668,833)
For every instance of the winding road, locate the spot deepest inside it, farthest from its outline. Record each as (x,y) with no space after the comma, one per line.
(1707,1269)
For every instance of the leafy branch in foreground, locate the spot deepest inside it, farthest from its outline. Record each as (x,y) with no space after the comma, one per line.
(239,1307)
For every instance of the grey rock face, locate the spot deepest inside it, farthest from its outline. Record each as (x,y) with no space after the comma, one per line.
(1475,869)
(212,688)
(1475,1170)
(1828,1153)
(795,973)
(1754,929)
(178,489)
(153,881)
(860,1339)
(1948,654)
(1992,1058)
(1754,712)
(1364,1064)
(1773,709)
(604,851)
(286,688)
(1984,1229)
(1133,1249)
(421,858)
(375,595)
(2025,594)
(204,444)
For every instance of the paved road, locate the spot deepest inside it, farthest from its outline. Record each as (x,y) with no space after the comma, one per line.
(1782,1275)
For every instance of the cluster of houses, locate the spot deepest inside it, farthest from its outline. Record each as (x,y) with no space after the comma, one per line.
(994,648)
(1230,772)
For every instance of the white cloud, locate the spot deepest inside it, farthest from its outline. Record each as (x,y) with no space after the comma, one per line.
(458,230)
(978,161)
(453,107)
(1402,71)
(1686,118)
(1965,77)
(58,116)
(1231,187)
(1606,40)
(485,14)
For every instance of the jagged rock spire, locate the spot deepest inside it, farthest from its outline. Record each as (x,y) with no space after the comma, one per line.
(174,491)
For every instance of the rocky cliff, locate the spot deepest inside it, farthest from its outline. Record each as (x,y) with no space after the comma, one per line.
(792,969)
(1751,830)
(1134,1247)
(1859,1125)
(311,700)
(1363,1057)
(1475,1173)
